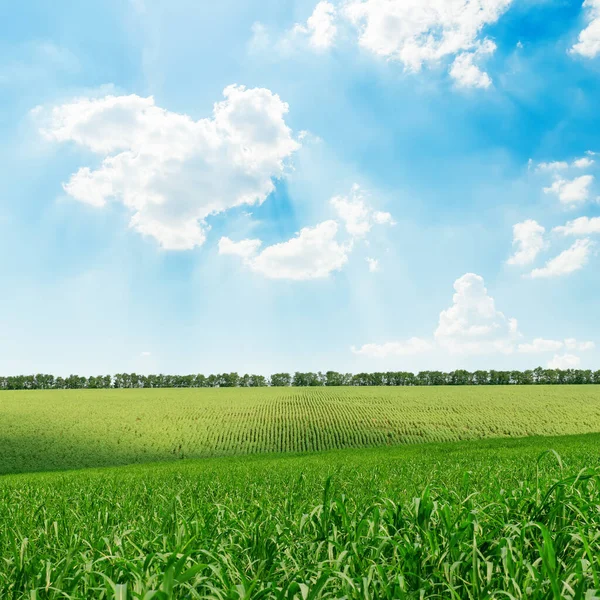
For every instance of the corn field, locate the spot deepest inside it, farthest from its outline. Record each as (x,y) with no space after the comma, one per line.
(63,429)
(468,520)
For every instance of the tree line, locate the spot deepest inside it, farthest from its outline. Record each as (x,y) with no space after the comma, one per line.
(298,379)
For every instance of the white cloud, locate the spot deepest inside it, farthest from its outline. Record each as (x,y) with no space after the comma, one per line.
(145,353)
(383,218)
(564,361)
(540,345)
(243,249)
(589,38)
(320,26)
(580,226)
(472,324)
(313,254)
(415,32)
(169,170)
(467,73)
(583,163)
(573,344)
(572,191)
(373,264)
(405,348)
(528,237)
(572,259)
(356,214)
(552,166)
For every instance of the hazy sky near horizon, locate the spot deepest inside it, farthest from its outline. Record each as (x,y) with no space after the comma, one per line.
(357,185)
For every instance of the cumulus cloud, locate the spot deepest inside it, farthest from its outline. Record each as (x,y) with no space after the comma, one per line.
(314,253)
(568,261)
(580,226)
(564,361)
(588,43)
(573,191)
(168,169)
(356,214)
(320,27)
(416,32)
(466,73)
(528,238)
(406,348)
(472,324)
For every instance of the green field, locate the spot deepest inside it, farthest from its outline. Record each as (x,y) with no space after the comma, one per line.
(271,501)
(481,519)
(60,429)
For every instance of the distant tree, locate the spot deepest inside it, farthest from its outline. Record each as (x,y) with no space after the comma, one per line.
(334,378)
(258,381)
(281,379)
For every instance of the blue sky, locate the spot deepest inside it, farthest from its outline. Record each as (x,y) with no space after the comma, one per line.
(263,186)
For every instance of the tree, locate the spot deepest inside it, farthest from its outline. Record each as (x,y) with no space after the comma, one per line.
(281,380)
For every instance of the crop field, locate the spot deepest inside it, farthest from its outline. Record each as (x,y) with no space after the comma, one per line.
(498,518)
(63,429)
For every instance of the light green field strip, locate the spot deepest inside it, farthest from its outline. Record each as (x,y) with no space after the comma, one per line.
(59,429)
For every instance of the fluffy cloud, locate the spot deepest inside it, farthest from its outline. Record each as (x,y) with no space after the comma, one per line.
(373,264)
(580,226)
(574,191)
(320,27)
(572,259)
(528,237)
(313,253)
(415,32)
(564,361)
(472,324)
(169,170)
(588,44)
(356,214)
(406,348)
(583,163)
(467,73)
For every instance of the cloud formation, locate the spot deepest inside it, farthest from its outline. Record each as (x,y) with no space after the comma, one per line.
(573,191)
(314,253)
(528,238)
(568,261)
(472,325)
(418,32)
(580,226)
(357,216)
(320,27)
(588,44)
(169,170)
(564,361)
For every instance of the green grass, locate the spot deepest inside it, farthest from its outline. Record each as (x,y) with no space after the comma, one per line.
(484,519)
(60,429)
